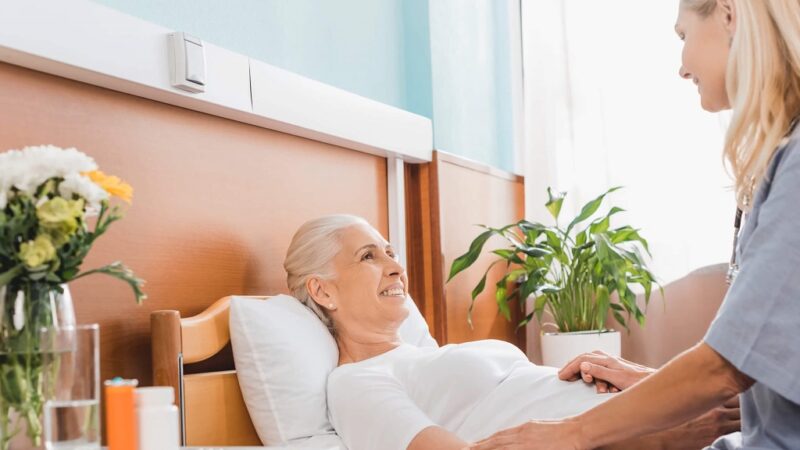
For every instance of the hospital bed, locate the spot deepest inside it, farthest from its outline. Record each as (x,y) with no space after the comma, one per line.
(214,413)
(211,406)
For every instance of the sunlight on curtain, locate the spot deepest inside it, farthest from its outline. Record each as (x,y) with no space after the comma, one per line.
(604,106)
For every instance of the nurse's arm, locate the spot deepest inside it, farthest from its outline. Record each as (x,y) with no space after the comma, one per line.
(688,386)
(436,438)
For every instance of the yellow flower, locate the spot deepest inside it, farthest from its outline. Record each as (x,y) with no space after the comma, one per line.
(37,252)
(58,218)
(59,209)
(111,184)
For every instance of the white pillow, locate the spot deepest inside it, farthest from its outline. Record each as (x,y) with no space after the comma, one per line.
(283,355)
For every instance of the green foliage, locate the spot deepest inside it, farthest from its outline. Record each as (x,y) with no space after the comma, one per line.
(58,226)
(571,274)
(19,224)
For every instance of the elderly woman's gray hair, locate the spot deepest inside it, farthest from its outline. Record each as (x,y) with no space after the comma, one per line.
(311,252)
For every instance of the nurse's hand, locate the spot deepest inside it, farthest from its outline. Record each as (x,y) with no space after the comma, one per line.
(538,435)
(704,430)
(608,373)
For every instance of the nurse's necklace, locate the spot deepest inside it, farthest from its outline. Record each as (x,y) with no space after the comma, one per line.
(733,266)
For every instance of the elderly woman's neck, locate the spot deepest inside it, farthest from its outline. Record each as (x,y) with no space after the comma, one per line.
(358,347)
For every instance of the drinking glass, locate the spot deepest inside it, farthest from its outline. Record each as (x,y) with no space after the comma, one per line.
(71,381)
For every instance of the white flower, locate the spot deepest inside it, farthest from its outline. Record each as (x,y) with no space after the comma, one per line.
(28,168)
(19,311)
(84,187)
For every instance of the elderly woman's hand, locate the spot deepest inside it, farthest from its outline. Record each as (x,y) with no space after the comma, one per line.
(538,435)
(609,373)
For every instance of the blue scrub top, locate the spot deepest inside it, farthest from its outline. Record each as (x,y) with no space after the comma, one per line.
(757,328)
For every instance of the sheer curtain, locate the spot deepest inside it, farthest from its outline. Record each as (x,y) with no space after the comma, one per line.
(604,106)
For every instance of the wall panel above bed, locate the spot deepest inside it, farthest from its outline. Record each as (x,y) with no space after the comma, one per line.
(445,199)
(215,201)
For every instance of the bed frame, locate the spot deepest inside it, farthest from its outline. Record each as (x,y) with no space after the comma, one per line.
(211,406)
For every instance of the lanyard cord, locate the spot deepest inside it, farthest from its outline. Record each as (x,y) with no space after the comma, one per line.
(733,266)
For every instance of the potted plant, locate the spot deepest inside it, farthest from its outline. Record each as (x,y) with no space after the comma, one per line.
(574,276)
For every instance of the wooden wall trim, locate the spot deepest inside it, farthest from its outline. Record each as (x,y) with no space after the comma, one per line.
(423,245)
(430,206)
(476,166)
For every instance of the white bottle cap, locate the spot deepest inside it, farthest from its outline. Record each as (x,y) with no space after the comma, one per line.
(154,396)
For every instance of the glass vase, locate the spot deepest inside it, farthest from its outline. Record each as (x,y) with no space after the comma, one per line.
(26,309)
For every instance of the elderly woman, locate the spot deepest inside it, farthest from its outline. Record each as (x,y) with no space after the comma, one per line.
(389,395)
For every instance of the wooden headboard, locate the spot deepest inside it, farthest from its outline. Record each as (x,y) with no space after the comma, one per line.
(211,405)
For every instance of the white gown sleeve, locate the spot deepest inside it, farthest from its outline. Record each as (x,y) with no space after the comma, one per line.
(370,410)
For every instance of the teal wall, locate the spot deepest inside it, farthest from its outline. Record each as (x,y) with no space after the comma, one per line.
(472,105)
(443,59)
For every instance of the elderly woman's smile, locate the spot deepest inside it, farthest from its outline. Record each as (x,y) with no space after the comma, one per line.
(395,290)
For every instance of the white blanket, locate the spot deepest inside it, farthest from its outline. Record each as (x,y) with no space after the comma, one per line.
(473,390)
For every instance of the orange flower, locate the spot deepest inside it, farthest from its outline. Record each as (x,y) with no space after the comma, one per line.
(111,184)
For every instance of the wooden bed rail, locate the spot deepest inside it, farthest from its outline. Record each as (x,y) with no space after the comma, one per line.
(212,410)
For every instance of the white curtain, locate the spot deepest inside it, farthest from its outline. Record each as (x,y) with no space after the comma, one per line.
(604,106)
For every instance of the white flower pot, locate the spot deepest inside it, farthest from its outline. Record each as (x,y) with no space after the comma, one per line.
(560,348)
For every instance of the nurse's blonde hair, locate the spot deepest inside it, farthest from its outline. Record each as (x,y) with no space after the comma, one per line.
(763,85)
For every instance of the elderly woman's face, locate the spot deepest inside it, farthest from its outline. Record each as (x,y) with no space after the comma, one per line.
(370,286)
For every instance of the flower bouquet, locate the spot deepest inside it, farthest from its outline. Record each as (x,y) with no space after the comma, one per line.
(48,198)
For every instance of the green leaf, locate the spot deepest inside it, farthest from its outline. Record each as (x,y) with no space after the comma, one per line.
(531,230)
(534,251)
(121,272)
(508,255)
(603,300)
(580,239)
(500,298)
(639,316)
(514,275)
(554,202)
(9,275)
(549,289)
(621,320)
(539,303)
(602,224)
(481,284)
(628,234)
(533,283)
(467,259)
(525,321)
(554,241)
(590,208)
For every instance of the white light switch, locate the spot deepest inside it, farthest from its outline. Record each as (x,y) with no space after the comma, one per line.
(195,63)
(187,62)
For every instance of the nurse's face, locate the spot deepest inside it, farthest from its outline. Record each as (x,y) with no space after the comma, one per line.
(706,45)
(369,287)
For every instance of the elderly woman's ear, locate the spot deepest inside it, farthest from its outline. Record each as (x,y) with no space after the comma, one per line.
(317,291)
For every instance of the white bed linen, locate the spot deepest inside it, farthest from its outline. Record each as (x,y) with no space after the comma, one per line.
(321,442)
(472,390)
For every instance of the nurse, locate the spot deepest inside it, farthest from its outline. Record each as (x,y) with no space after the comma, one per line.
(743,55)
